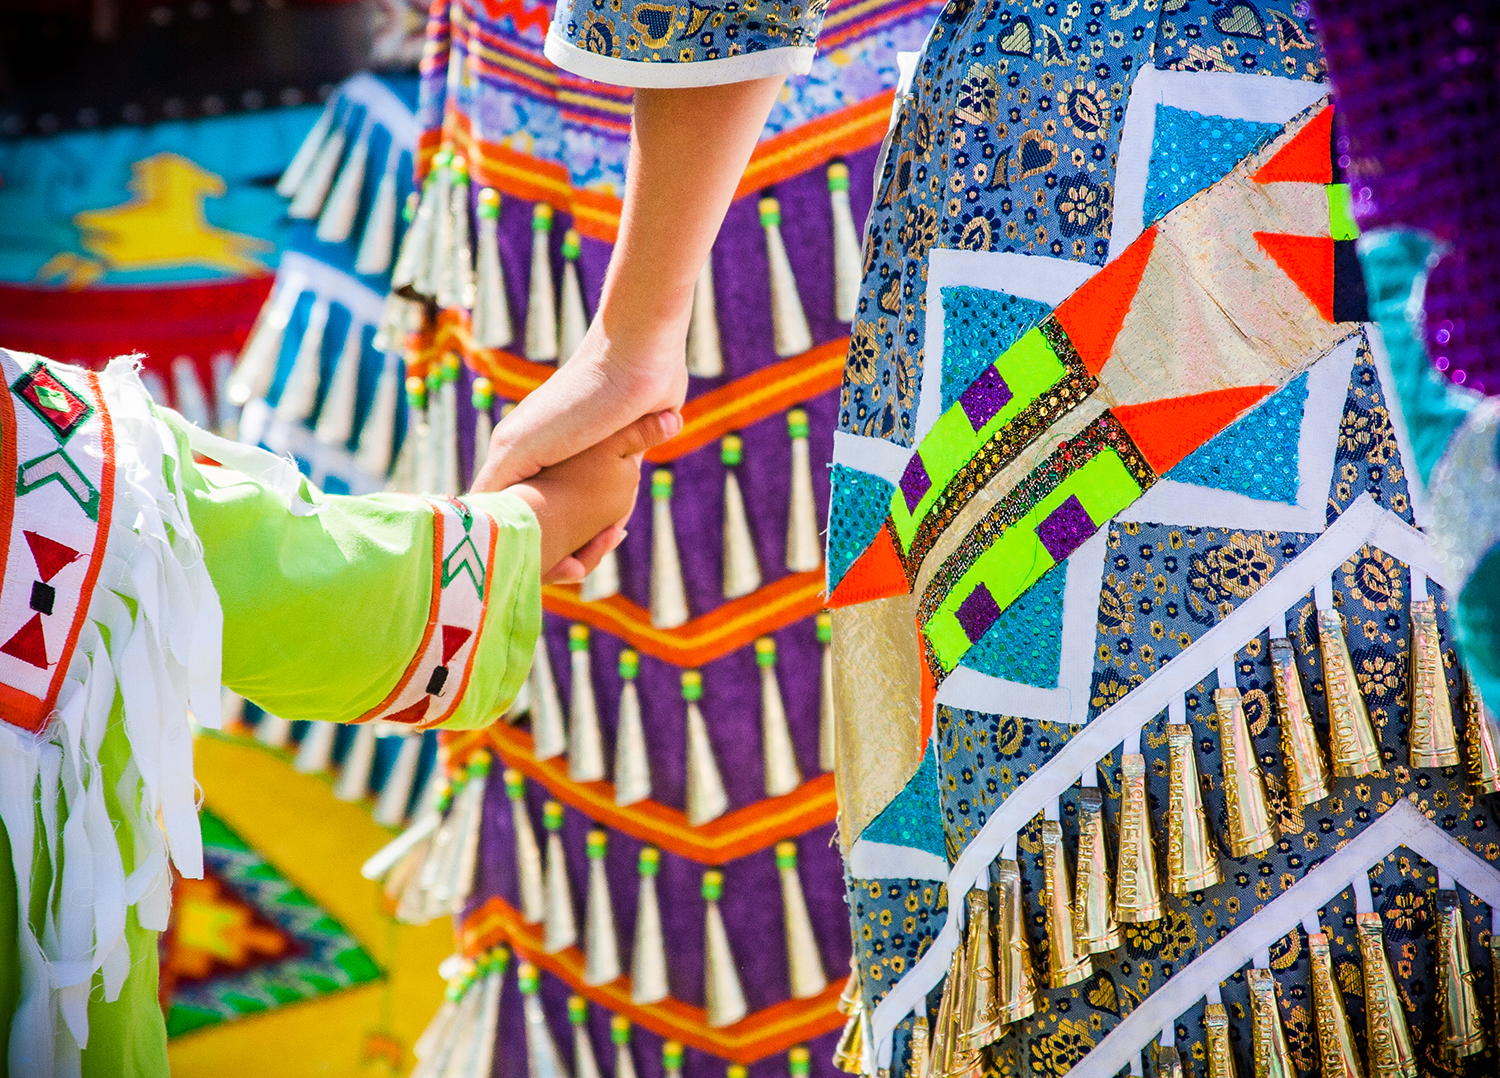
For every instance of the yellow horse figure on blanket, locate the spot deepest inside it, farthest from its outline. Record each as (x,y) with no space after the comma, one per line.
(161,227)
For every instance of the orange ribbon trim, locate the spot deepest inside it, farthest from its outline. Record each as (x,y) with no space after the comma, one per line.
(732,836)
(597,215)
(706,417)
(753,1038)
(707,637)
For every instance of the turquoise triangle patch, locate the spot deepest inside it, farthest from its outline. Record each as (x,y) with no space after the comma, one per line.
(1025,644)
(1190,151)
(1256,454)
(914,818)
(978,325)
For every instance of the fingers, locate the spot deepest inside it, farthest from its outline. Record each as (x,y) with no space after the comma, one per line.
(645,433)
(585,560)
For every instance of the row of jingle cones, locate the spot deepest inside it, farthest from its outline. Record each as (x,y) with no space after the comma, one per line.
(356,773)
(991,984)
(439,264)
(460,1041)
(429,870)
(325,182)
(1083,910)
(742,570)
(578,732)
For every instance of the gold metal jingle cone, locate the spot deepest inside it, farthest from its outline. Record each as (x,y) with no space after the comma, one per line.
(1482,733)
(1250,827)
(1351,738)
(1335,1037)
(1016,983)
(1432,741)
(980,1024)
(848,1055)
(950,1058)
(1306,770)
(1192,863)
(1168,1061)
(850,996)
(1137,897)
(918,1058)
(1220,1054)
(1273,1059)
(1094,928)
(1462,1028)
(1067,965)
(1386,1032)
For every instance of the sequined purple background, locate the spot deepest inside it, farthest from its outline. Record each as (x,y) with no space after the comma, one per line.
(1415,86)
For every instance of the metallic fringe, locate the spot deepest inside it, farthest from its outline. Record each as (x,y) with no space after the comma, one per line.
(585,1063)
(530,880)
(491,319)
(573,318)
(541,304)
(1306,770)
(585,741)
(632,761)
(648,955)
(1386,1032)
(1273,1059)
(542,1059)
(1250,828)
(669,606)
(1192,863)
(804,959)
(705,356)
(1351,738)
(601,946)
(706,796)
(1220,1054)
(1137,897)
(1094,928)
(778,756)
(1017,980)
(788,322)
(723,996)
(741,564)
(1431,740)
(847,265)
(1483,738)
(1067,964)
(981,1023)
(804,545)
(549,731)
(559,926)
(1462,1027)
(1335,1036)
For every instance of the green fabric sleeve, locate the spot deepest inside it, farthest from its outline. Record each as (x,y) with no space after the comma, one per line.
(1394,263)
(325,608)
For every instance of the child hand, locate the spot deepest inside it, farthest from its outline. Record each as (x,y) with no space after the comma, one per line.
(583,502)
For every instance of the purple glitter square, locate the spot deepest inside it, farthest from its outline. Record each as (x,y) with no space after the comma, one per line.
(1065,529)
(977,613)
(984,399)
(915,482)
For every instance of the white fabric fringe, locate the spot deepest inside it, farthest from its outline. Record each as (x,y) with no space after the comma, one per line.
(161,659)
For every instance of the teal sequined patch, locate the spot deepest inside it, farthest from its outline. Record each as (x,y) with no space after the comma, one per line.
(1257,454)
(1190,151)
(913,818)
(859,503)
(1025,645)
(979,324)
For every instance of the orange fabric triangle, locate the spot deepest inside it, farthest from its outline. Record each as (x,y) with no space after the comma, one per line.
(1092,316)
(1308,261)
(1166,431)
(876,574)
(1308,158)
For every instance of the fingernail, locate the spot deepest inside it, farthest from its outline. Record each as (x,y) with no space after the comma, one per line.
(672,422)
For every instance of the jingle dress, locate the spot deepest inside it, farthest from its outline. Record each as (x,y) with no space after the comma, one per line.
(1120,465)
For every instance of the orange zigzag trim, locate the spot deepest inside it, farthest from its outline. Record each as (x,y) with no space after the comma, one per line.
(732,836)
(707,637)
(706,417)
(753,1038)
(598,215)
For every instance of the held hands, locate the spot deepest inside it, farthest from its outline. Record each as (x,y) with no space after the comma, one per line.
(582,503)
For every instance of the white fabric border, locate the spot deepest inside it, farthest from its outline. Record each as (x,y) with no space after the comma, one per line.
(306,274)
(1040,277)
(1317,445)
(1401,825)
(1363,522)
(869,860)
(665,76)
(384,108)
(1213,93)
(873,456)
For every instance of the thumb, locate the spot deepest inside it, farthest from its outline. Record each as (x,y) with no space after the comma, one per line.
(645,433)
